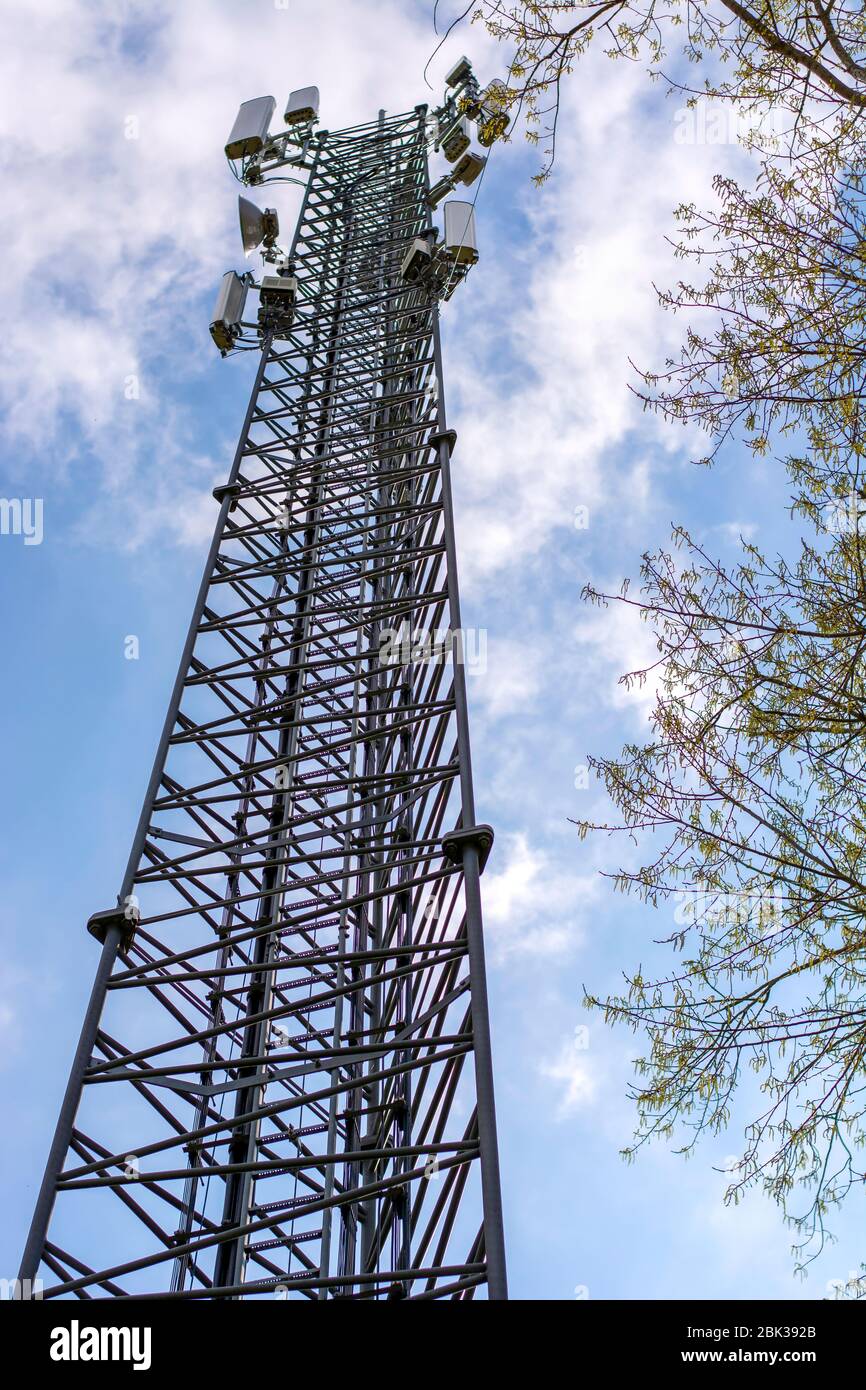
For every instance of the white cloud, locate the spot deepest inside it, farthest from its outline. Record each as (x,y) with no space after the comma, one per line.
(617,642)
(734,531)
(542,362)
(533,905)
(574,1076)
(117,243)
(512,677)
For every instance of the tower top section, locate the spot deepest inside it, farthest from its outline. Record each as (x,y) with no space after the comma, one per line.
(435,262)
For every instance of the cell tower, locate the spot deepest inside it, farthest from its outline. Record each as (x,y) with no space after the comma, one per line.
(283,1085)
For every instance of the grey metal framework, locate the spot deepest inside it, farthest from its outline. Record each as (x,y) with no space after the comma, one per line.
(283,1085)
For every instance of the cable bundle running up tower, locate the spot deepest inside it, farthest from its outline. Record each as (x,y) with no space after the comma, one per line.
(283,1085)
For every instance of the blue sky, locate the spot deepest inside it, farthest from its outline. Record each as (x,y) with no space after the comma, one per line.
(118,413)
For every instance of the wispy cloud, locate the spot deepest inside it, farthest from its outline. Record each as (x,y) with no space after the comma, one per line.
(616,642)
(533,905)
(512,677)
(120,217)
(542,370)
(574,1078)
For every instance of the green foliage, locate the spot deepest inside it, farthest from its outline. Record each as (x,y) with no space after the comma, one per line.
(785,352)
(755,783)
(803,57)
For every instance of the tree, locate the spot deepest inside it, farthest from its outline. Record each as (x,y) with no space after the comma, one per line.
(802,56)
(784,360)
(755,784)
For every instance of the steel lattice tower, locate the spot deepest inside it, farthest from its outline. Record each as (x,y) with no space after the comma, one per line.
(283,1082)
